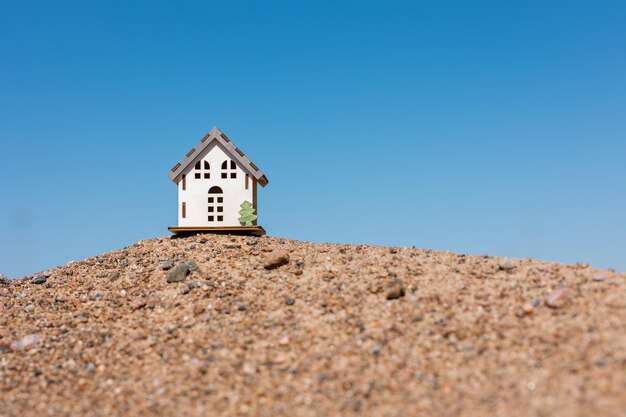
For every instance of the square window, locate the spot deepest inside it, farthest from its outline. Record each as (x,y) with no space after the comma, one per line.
(220,199)
(197,175)
(207,175)
(224,175)
(233,175)
(211,209)
(211,218)
(211,199)
(220,209)
(220,218)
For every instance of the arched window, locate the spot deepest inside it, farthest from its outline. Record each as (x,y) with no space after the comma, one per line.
(216,204)
(226,171)
(199,171)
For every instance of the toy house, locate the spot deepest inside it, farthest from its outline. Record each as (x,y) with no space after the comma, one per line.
(217,188)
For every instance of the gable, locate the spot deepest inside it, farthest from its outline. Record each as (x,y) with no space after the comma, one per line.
(211,159)
(216,135)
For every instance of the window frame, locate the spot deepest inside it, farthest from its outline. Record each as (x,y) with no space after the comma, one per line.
(202,170)
(229,170)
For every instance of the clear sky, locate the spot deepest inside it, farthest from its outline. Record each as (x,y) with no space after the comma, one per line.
(493,127)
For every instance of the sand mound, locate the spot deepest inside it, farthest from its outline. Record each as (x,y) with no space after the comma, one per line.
(267,326)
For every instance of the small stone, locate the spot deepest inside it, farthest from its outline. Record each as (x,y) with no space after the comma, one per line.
(281,358)
(598,277)
(178,273)
(601,362)
(39,279)
(417,318)
(29,308)
(3,279)
(166,265)
(393,250)
(535,303)
(26,342)
(276,259)
(138,303)
(284,340)
(192,266)
(113,276)
(506,265)
(95,295)
(528,308)
(185,289)
(194,283)
(559,297)
(198,309)
(395,290)
(290,301)
(91,368)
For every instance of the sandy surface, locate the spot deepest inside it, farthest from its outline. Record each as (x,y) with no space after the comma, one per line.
(337,330)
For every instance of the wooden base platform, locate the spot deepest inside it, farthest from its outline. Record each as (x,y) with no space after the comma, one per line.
(225,230)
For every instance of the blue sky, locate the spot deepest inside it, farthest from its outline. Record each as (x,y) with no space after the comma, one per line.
(475,127)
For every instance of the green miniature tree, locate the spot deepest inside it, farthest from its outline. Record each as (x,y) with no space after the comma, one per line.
(247,214)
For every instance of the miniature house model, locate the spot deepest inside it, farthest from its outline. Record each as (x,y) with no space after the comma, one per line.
(217,188)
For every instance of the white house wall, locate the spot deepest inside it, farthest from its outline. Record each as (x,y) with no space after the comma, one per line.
(196,194)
